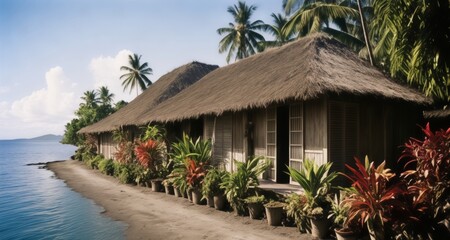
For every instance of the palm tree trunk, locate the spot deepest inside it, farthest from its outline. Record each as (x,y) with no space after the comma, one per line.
(364,28)
(137,90)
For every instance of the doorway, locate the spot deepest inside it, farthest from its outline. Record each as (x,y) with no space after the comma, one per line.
(282,144)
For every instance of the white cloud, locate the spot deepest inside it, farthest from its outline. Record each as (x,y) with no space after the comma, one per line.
(106,72)
(43,111)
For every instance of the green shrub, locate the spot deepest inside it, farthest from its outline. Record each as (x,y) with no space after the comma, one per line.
(296,209)
(106,166)
(93,162)
(240,184)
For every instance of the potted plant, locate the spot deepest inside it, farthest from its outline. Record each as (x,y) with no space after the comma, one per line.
(344,229)
(372,196)
(255,206)
(240,184)
(316,183)
(149,155)
(211,188)
(194,178)
(191,160)
(296,209)
(274,212)
(168,186)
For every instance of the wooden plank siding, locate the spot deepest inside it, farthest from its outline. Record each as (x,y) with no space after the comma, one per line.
(259,132)
(363,127)
(107,145)
(316,130)
(222,135)
(238,138)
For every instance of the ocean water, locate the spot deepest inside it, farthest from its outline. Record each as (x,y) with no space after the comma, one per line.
(36,205)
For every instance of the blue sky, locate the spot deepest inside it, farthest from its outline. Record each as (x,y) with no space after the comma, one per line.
(51,51)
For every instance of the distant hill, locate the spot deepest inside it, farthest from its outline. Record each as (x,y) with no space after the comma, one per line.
(47,137)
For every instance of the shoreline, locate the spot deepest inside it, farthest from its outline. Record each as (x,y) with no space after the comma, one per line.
(151,215)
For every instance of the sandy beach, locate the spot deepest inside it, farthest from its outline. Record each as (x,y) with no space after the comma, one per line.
(151,215)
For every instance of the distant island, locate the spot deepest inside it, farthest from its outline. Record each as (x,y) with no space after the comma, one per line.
(47,137)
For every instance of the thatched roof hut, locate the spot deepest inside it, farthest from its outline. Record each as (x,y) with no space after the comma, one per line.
(166,87)
(302,70)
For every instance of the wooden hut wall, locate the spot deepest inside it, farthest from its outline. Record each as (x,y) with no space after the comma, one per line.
(107,145)
(208,127)
(315,130)
(239,139)
(343,137)
(259,132)
(369,128)
(223,141)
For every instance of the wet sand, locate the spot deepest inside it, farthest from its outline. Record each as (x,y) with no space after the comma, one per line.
(151,215)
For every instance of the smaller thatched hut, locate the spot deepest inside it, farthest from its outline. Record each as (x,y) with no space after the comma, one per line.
(127,117)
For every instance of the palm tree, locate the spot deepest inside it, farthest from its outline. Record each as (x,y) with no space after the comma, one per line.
(241,36)
(278,31)
(136,74)
(90,99)
(316,16)
(412,40)
(106,97)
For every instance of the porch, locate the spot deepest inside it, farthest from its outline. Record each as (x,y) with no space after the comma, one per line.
(280,188)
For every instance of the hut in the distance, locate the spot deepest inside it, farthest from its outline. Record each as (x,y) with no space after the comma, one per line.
(128,117)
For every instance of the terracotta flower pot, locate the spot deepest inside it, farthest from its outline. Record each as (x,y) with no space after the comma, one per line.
(219,202)
(319,228)
(177,192)
(197,197)
(274,214)
(156,185)
(210,201)
(169,189)
(343,234)
(256,210)
(189,194)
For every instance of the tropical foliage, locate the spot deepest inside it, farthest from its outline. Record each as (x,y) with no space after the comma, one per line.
(296,208)
(136,74)
(191,159)
(372,197)
(238,185)
(212,181)
(277,30)
(427,177)
(412,40)
(316,183)
(95,106)
(241,37)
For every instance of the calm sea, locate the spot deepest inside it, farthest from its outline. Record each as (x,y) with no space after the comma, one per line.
(36,205)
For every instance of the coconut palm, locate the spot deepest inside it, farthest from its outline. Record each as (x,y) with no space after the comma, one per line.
(241,36)
(315,16)
(413,39)
(281,36)
(136,74)
(105,96)
(90,99)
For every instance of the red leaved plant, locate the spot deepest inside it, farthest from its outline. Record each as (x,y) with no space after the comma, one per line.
(427,176)
(196,172)
(371,199)
(148,154)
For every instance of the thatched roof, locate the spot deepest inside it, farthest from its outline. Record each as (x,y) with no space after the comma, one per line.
(438,114)
(305,69)
(166,87)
